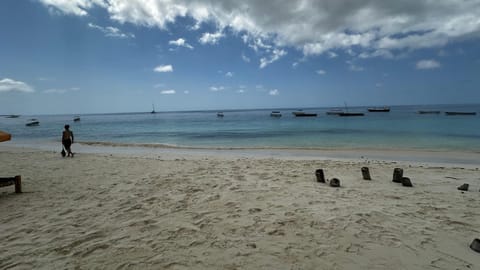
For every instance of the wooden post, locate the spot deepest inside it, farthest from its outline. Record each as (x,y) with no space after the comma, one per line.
(320,176)
(366,173)
(397,175)
(18,184)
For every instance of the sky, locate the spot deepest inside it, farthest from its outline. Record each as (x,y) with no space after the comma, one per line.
(108,56)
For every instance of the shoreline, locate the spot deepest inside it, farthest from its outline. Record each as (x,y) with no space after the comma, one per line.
(446,158)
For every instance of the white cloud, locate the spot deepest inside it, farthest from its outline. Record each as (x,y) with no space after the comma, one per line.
(164,68)
(312,26)
(321,72)
(353,67)
(55,91)
(210,38)
(9,85)
(241,91)
(216,88)
(245,58)
(186,92)
(276,54)
(168,92)
(111,31)
(274,92)
(229,74)
(180,43)
(427,64)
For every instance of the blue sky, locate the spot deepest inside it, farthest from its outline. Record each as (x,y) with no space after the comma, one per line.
(98,56)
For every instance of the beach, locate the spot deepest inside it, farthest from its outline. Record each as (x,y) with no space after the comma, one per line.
(235,209)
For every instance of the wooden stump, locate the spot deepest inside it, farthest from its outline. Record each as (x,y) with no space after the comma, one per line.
(406,182)
(366,173)
(397,175)
(18,184)
(334,182)
(463,187)
(320,176)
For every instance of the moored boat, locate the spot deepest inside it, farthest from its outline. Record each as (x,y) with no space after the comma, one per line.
(275,114)
(32,122)
(460,113)
(303,114)
(76,119)
(220,114)
(334,112)
(379,109)
(351,114)
(428,112)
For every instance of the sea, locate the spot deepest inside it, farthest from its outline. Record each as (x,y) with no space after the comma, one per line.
(401,128)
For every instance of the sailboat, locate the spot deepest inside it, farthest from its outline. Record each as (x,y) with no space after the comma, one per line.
(346,113)
(153,108)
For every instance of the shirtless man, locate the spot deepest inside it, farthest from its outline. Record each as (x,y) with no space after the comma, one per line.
(67,140)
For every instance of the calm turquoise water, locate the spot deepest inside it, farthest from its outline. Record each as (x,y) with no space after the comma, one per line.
(402,127)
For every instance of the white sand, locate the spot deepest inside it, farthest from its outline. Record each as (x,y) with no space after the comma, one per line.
(190,211)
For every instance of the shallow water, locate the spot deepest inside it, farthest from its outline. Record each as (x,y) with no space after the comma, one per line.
(402,127)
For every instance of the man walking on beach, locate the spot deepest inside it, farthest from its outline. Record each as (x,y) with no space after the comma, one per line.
(67,140)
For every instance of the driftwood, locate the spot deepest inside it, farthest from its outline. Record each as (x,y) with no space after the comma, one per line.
(8,181)
(366,173)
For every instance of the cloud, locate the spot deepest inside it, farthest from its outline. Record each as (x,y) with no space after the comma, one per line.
(321,72)
(245,58)
(9,85)
(427,64)
(353,67)
(276,54)
(216,88)
(274,92)
(164,68)
(168,92)
(186,92)
(111,31)
(311,26)
(229,74)
(180,43)
(55,91)
(210,38)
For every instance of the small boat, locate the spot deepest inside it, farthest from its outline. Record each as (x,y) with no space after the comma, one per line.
(275,114)
(428,112)
(334,112)
(12,116)
(32,122)
(303,114)
(379,109)
(346,113)
(351,114)
(220,114)
(76,119)
(460,113)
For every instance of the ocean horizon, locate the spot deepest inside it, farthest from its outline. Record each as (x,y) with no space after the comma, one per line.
(401,128)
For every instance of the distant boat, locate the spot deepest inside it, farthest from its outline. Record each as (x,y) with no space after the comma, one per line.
(303,114)
(76,119)
(12,116)
(379,109)
(153,109)
(460,113)
(346,113)
(334,112)
(351,114)
(220,114)
(428,112)
(275,114)
(32,122)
